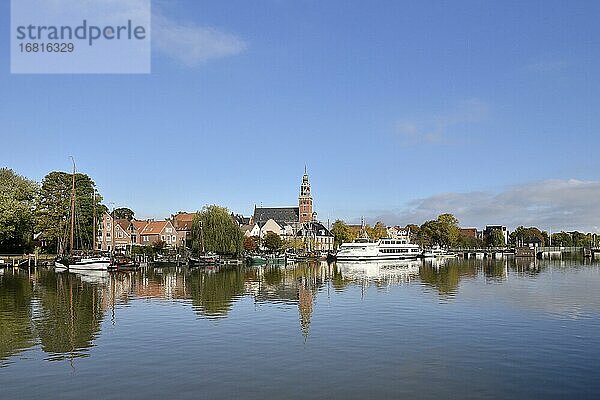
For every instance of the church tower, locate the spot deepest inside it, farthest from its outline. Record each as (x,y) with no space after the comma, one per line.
(305,201)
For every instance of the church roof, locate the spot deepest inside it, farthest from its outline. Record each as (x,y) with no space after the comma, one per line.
(315,227)
(279,214)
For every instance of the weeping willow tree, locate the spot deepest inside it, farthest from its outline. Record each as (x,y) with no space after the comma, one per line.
(215,231)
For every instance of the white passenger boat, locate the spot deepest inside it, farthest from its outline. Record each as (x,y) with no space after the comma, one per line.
(382,249)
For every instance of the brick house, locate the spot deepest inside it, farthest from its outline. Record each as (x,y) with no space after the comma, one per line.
(154,231)
(183,228)
(125,234)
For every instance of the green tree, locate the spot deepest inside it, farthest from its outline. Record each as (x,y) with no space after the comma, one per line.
(342,233)
(562,239)
(581,239)
(495,238)
(272,242)
(296,243)
(54,209)
(523,235)
(429,233)
(442,231)
(220,233)
(378,231)
(124,213)
(17,206)
(449,229)
(414,232)
(470,242)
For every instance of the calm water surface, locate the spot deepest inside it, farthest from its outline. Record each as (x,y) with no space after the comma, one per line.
(461,329)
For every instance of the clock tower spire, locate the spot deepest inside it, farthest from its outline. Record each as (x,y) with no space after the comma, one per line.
(305,201)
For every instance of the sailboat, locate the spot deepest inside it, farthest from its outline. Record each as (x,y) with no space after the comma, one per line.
(80,262)
(202,259)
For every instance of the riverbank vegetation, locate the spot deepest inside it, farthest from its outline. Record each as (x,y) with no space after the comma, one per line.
(214,231)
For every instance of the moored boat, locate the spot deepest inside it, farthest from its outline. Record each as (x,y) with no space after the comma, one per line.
(382,249)
(83,263)
(202,260)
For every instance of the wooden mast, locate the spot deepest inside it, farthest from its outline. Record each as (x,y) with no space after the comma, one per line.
(72,210)
(94,223)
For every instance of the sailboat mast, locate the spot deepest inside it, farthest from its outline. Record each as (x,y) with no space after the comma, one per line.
(72,210)
(202,237)
(94,226)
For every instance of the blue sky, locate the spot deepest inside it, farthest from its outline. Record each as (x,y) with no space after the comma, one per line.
(390,105)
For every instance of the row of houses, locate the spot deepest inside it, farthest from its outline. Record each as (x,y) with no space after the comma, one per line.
(297,223)
(123,233)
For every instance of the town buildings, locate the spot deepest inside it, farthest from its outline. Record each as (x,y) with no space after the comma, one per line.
(183,226)
(122,233)
(292,223)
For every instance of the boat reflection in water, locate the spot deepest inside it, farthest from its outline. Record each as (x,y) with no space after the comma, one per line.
(390,272)
(95,277)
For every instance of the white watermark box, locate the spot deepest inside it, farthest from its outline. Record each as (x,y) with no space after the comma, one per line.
(80,36)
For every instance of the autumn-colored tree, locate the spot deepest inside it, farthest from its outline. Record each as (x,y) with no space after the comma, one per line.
(250,244)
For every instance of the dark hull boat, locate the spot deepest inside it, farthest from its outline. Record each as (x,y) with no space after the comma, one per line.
(200,261)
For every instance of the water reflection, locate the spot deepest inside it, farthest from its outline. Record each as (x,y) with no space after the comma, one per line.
(68,315)
(64,312)
(16,331)
(445,278)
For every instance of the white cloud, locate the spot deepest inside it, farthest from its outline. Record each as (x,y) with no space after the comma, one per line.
(190,44)
(435,128)
(187,43)
(551,204)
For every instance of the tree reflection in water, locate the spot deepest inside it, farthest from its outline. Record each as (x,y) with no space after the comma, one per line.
(213,293)
(63,312)
(445,279)
(16,331)
(69,316)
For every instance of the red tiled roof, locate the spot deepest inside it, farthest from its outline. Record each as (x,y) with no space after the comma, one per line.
(154,227)
(183,221)
(123,223)
(139,225)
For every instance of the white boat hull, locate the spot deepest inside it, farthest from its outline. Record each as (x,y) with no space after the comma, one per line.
(92,264)
(382,250)
(379,257)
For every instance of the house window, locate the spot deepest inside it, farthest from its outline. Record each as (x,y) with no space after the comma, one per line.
(120,235)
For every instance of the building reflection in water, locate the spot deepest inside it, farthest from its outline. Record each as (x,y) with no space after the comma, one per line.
(63,312)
